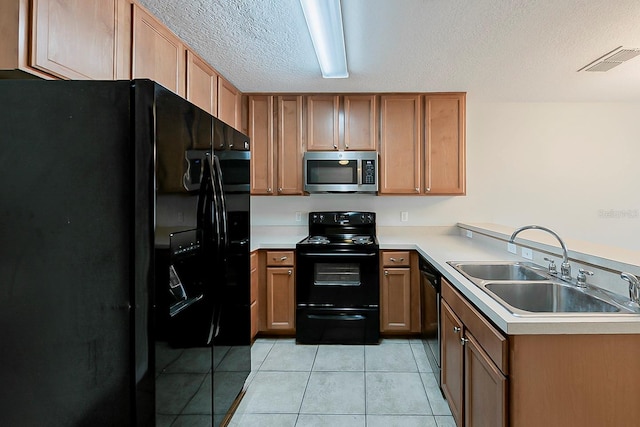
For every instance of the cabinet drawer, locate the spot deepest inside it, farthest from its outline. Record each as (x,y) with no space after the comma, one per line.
(492,341)
(280,258)
(395,259)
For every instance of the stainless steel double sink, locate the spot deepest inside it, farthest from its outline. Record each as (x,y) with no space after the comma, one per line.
(526,289)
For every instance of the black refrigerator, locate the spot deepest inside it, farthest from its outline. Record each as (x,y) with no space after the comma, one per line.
(83,308)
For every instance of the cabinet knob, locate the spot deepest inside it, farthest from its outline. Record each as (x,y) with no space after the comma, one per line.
(456,329)
(289,272)
(279,189)
(269,190)
(428,188)
(463,341)
(386,272)
(335,147)
(417,190)
(346,145)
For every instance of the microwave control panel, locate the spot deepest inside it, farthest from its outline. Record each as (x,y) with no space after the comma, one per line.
(368,172)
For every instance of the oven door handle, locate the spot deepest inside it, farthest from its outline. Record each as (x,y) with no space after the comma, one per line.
(336,317)
(338,254)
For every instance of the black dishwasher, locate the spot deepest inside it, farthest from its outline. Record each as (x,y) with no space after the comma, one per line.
(430,307)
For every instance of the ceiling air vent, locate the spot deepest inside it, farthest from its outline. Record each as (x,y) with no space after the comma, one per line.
(611,59)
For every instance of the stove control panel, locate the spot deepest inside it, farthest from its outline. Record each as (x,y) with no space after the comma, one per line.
(342,218)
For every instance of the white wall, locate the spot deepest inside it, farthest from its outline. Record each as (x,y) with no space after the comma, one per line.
(572,167)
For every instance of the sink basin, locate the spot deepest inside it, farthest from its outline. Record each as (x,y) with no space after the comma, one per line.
(548,297)
(509,271)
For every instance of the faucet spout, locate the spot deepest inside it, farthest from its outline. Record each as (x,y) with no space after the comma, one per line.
(565,267)
(634,286)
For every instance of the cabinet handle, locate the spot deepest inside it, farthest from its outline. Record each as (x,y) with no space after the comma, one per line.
(463,341)
(392,259)
(282,258)
(456,329)
(289,272)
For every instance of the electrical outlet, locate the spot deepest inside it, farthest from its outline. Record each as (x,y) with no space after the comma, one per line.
(527,253)
(404,216)
(511,247)
(469,234)
(298,216)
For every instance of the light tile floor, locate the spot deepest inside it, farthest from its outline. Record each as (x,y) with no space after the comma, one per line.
(384,385)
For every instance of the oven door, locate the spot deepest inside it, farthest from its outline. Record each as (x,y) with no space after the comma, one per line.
(334,278)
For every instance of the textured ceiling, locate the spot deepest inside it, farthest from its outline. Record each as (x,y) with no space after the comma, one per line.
(515,50)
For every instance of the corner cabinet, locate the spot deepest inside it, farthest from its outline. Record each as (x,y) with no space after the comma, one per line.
(399,292)
(422,144)
(65,39)
(275,129)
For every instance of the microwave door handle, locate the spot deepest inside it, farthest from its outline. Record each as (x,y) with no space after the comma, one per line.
(359,172)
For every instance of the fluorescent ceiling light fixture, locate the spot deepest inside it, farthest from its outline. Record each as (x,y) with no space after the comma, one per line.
(324,19)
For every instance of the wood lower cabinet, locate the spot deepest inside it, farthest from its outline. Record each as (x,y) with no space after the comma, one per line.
(68,39)
(399,292)
(157,53)
(474,363)
(255,281)
(278,303)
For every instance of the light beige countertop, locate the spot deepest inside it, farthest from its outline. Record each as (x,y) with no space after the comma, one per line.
(441,244)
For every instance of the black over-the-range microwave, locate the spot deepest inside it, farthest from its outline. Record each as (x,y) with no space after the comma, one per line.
(340,171)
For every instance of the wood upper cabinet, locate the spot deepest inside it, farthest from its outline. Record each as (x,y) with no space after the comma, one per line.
(261,136)
(323,128)
(68,39)
(400,144)
(289,145)
(202,84)
(158,54)
(444,128)
(341,122)
(360,122)
(229,103)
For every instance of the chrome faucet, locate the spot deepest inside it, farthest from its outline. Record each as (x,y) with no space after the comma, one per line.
(634,286)
(565,267)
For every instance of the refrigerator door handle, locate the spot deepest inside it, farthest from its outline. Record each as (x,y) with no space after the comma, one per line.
(222,207)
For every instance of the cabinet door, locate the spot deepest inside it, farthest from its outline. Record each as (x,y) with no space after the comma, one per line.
(262,140)
(202,84)
(280,298)
(360,122)
(289,145)
(76,39)
(395,300)
(400,144)
(452,357)
(229,103)
(157,53)
(323,130)
(254,294)
(485,388)
(444,122)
